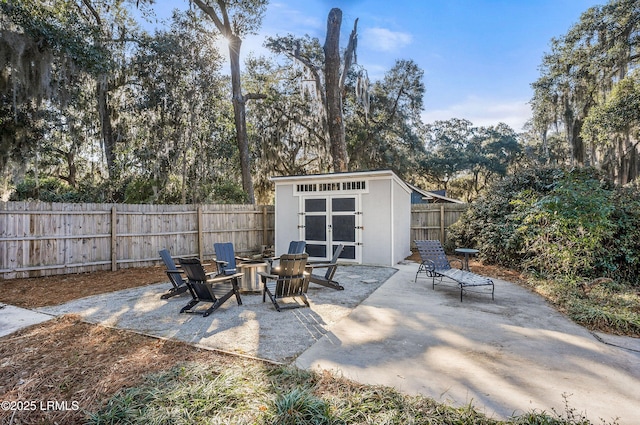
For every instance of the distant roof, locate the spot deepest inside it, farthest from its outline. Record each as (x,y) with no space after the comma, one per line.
(434,195)
(342,174)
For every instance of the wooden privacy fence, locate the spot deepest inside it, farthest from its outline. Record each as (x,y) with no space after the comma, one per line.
(431,221)
(39,239)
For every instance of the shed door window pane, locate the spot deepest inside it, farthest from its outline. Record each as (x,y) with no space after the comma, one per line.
(315,205)
(315,227)
(315,250)
(344,228)
(343,204)
(349,252)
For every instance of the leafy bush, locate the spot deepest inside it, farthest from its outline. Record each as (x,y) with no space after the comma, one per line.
(139,191)
(51,189)
(557,222)
(227,192)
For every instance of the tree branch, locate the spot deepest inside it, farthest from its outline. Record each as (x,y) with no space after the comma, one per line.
(213,15)
(93,11)
(350,53)
(225,18)
(253,96)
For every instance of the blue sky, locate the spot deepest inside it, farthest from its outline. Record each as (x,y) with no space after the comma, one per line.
(479,56)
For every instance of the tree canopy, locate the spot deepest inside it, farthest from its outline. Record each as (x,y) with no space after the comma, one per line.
(577,79)
(94,106)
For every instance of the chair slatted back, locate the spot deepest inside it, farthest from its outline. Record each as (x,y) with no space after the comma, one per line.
(225,252)
(431,250)
(292,278)
(197,278)
(167,260)
(334,260)
(172,270)
(297,247)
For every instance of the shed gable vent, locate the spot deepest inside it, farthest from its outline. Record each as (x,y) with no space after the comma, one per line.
(332,187)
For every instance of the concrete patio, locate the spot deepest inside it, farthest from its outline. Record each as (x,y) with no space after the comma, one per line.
(505,357)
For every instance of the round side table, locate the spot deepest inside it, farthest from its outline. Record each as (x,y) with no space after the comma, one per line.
(467,252)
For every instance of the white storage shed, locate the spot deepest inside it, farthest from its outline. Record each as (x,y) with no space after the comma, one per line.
(368,212)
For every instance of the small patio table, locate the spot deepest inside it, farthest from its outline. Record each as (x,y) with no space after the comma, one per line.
(467,252)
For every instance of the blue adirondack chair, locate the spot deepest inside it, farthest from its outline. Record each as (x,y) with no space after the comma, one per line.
(176,276)
(225,258)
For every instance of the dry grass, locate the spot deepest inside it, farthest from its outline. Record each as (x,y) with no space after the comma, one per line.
(66,360)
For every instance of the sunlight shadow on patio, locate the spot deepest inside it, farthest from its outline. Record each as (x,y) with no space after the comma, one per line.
(253,329)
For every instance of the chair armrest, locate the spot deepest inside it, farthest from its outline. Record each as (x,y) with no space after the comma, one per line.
(320,262)
(222,277)
(458,260)
(320,265)
(268,276)
(429,265)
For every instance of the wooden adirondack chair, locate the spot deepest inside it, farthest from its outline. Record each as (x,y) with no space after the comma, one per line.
(288,280)
(226,258)
(332,266)
(295,247)
(208,287)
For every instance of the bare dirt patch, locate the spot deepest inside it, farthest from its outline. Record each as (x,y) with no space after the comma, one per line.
(58,289)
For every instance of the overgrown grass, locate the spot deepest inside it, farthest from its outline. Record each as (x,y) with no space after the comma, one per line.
(255,393)
(608,306)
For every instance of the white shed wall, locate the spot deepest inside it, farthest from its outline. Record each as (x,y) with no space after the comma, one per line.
(286,223)
(401,223)
(376,218)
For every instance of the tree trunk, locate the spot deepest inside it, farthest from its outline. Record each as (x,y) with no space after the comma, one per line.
(223,24)
(334,91)
(104,112)
(240,117)
(574,125)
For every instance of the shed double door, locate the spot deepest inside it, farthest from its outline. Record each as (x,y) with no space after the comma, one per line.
(328,221)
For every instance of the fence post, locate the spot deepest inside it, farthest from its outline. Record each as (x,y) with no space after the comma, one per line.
(265,226)
(200,237)
(442,225)
(114,239)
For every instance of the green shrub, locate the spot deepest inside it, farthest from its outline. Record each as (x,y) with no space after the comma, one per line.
(557,222)
(229,193)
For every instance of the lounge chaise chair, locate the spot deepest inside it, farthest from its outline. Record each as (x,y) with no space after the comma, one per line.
(436,265)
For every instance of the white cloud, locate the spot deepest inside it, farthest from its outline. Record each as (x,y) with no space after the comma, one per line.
(484,112)
(385,40)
